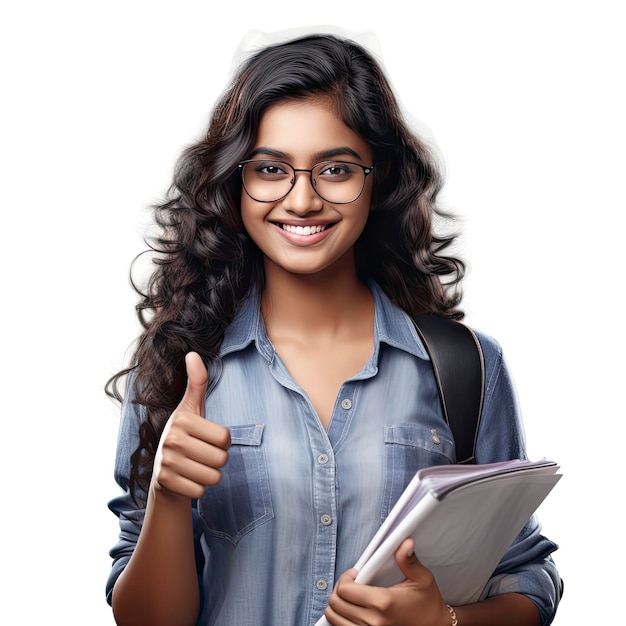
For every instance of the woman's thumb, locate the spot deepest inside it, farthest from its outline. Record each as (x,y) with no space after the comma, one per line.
(197,384)
(408,562)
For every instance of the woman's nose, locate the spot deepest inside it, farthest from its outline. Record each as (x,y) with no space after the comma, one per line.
(302,198)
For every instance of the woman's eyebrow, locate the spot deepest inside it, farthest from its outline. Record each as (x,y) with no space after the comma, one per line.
(318,156)
(269,152)
(335,152)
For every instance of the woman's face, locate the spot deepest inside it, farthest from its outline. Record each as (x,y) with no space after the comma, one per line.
(303,233)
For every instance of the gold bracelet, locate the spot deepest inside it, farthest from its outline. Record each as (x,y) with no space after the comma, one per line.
(455,621)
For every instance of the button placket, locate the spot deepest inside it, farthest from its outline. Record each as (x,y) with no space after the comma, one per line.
(326,532)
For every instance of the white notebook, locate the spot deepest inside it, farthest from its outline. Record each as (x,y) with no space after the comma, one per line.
(462,519)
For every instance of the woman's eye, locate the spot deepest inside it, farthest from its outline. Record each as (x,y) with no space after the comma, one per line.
(336,170)
(270,169)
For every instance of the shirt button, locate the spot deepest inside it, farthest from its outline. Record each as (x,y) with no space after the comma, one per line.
(435,437)
(322,585)
(322,459)
(327,520)
(346,403)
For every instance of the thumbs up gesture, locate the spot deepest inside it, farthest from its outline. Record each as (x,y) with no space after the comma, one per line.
(192,449)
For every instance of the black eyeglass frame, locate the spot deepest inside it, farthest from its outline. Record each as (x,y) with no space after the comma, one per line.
(366,171)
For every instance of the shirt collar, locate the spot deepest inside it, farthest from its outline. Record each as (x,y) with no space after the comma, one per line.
(392,326)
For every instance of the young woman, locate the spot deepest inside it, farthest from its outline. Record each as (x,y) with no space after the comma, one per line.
(279,399)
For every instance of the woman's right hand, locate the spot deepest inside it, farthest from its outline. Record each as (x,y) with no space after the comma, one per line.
(192,449)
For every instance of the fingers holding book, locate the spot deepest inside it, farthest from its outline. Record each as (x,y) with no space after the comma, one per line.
(418,594)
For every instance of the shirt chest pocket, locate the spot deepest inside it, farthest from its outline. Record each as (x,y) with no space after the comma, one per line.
(408,448)
(242,499)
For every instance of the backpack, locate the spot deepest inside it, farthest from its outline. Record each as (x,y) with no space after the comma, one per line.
(459,368)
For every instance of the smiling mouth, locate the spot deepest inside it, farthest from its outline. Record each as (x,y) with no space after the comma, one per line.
(305,230)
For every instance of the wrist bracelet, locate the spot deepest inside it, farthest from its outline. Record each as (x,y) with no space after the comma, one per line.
(455,621)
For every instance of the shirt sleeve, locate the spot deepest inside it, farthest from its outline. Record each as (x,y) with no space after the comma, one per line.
(130,512)
(527,566)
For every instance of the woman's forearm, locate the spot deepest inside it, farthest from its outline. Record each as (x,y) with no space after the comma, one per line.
(510,609)
(160,585)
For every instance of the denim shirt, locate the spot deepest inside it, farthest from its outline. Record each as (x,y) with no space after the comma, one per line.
(297,504)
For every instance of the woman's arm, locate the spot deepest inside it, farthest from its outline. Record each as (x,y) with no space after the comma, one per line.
(159,584)
(509,609)
(527,567)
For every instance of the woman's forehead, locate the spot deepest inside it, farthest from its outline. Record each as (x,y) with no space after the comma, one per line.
(308,129)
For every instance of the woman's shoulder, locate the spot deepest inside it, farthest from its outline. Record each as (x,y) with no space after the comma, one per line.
(489,344)
(492,352)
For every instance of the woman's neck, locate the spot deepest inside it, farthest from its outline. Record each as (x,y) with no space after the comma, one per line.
(315,305)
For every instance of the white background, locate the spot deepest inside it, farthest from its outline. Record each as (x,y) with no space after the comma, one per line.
(526,102)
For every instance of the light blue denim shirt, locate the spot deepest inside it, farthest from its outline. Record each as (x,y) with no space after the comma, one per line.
(297,504)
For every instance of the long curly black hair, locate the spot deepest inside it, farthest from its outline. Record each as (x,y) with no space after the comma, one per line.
(204,263)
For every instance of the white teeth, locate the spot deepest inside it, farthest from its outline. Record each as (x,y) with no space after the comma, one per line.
(303,230)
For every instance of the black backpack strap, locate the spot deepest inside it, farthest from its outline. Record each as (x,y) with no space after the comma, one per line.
(457,361)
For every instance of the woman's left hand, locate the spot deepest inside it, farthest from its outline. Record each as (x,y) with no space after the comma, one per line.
(416,601)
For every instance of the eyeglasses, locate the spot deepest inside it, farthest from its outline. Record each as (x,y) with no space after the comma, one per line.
(338,182)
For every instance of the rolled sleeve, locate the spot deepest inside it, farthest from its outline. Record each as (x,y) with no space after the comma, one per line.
(131,519)
(130,512)
(527,568)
